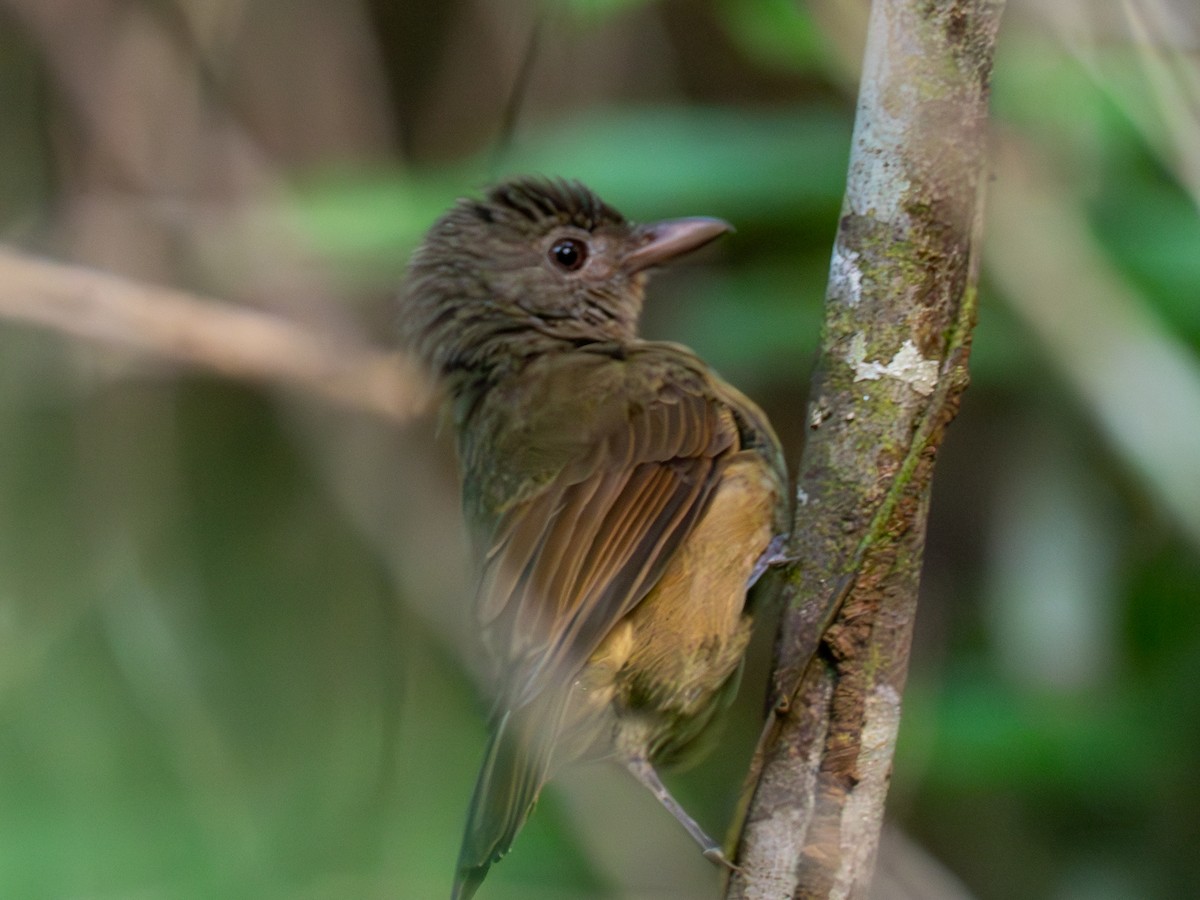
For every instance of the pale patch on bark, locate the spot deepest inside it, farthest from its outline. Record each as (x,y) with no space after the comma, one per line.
(860,825)
(877,183)
(908,365)
(845,276)
(771,842)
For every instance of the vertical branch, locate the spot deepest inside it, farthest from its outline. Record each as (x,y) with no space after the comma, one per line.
(900,309)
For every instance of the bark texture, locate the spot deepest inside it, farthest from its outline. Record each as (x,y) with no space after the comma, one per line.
(900,309)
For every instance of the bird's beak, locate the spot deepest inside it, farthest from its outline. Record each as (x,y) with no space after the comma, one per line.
(660,242)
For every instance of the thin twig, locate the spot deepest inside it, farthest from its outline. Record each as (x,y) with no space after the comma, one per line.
(240,343)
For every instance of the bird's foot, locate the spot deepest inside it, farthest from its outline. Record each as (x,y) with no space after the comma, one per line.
(774,556)
(644,772)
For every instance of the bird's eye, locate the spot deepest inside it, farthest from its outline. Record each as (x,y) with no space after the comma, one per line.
(569,254)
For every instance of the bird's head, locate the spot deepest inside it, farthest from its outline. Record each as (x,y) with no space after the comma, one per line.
(534,266)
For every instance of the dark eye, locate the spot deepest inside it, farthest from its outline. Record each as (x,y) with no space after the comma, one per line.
(569,254)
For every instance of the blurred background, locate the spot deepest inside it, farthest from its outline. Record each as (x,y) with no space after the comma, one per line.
(231,616)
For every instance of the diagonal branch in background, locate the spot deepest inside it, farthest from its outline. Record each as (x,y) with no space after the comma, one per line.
(900,311)
(230,340)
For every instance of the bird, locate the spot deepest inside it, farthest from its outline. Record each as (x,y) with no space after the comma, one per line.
(620,498)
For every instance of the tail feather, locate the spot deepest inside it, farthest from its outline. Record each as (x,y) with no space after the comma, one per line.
(467,882)
(516,765)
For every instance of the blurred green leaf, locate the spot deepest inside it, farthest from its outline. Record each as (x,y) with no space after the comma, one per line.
(991,735)
(1049,94)
(777,33)
(748,325)
(592,11)
(757,167)
(1152,230)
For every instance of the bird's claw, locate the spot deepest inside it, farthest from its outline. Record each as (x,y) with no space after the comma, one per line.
(774,556)
(717,855)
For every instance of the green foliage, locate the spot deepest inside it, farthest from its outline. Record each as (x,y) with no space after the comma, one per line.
(774,32)
(759,168)
(592,12)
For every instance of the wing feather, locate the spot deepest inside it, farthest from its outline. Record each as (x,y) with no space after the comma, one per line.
(566,564)
(623,578)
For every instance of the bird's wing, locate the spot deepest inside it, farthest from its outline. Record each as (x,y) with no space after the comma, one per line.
(567,563)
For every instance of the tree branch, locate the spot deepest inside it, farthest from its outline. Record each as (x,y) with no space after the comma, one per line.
(900,310)
(233,341)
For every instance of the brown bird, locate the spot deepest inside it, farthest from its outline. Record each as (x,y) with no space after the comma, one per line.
(621,498)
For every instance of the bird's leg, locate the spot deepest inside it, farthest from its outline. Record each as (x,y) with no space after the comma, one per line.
(644,773)
(774,555)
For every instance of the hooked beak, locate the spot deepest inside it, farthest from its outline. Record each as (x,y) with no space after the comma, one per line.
(660,242)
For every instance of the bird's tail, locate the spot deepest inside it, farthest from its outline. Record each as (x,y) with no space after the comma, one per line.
(516,765)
